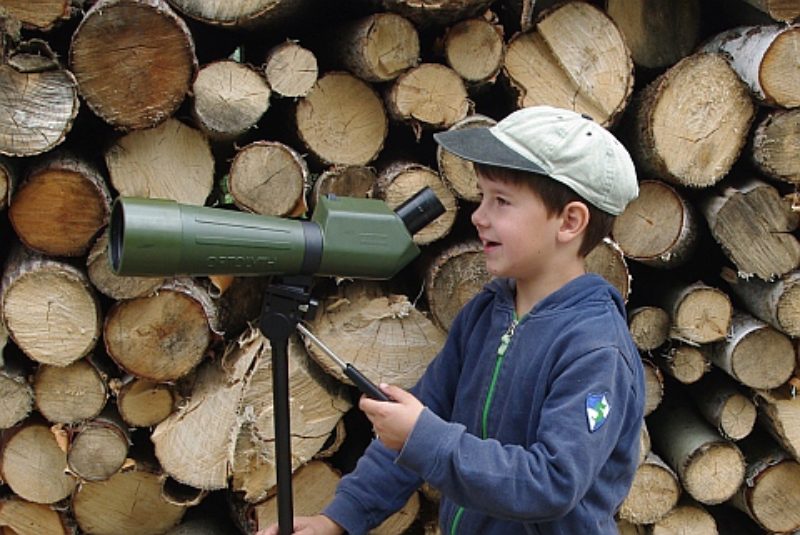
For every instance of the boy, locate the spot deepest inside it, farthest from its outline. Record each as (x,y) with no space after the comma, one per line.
(528,420)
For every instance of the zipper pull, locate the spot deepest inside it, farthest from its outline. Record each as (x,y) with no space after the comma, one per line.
(505,340)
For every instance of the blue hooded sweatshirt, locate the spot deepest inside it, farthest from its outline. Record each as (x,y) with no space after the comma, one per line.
(529,426)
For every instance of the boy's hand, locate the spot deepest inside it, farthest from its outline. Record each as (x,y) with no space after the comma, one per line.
(308,525)
(392,421)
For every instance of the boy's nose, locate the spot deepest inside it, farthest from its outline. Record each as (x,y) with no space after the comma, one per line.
(477,217)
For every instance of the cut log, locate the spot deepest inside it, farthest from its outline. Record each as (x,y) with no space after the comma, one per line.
(161,337)
(49,308)
(60,206)
(452,277)
(22,517)
(753,225)
(754,353)
(608,261)
(16,394)
(134,61)
(170,161)
(782,10)
(243,14)
(42,15)
(691,122)
(376,48)
(686,363)
(724,405)
(653,386)
(649,327)
(779,413)
(776,141)
(399,181)
(776,303)
(685,518)
(130,501)
(710,468)
(457,172)
(440,13)
(430,95)
(344,181)
(179,494)
(770,494)
(765,58)
(475,49)
(628,528)
(34,465)
(69,394)
(382,335)
(143,403)
(659,228)
(654,492)
(98,448)
(658,33)
(268,178)
(8,182)
(290,69)
(700,313)
(342,120)
(229,99)
(574,58)
(38,103)
(98,268)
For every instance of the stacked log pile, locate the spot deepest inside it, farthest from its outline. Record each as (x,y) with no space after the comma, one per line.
(144,405)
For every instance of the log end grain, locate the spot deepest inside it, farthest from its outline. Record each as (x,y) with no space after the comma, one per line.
(143,403)
(686,363)
(21,517)
(774,500)
(429,95)
(649,327)
(291,70)
(776,143)
(702,316)
(267,178)
(474,48)
(69,394)
(16,400)
(780,70)
(97,452)
(654,493)
(763,359)
(714,473)
(686,518)
(608,261)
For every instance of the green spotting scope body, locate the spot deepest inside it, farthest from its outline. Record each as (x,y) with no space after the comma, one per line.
(345,237)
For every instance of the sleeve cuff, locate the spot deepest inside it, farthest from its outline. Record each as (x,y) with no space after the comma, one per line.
(428,443)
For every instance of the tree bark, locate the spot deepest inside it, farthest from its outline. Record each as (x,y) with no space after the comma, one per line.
(574,58)
(134,61)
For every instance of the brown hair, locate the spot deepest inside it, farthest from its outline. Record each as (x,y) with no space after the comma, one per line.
(555,196)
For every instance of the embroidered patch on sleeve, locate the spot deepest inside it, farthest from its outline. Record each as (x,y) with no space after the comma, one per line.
(597,409)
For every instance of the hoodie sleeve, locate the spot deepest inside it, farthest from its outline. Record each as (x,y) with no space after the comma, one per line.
(544,480)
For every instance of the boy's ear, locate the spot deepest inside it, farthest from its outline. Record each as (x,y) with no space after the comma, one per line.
(574,219)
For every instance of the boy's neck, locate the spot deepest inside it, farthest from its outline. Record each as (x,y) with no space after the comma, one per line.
(530,291)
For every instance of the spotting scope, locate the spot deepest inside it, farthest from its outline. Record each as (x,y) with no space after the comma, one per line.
(345,237)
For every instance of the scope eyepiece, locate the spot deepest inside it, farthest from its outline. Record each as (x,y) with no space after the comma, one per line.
(419,210)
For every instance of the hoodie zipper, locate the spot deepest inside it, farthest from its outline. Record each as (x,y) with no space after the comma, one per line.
(505,341)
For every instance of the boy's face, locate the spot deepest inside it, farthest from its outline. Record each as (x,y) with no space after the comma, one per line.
(517,234)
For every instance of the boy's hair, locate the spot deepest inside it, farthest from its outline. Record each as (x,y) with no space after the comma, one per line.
(555,196)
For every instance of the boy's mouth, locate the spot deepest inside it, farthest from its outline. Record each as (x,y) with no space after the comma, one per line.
(489,245)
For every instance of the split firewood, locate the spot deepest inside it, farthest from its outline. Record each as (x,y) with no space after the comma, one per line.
(399,181)
(653,386)
(452,277)
(342,120)
(654,492)
(229,99)
(649,327)
(440,13)
(290,69)
(240,304)
(313,486)
(21,517)
(381,334)
(98,268)
(778,413)
(608,261)
(782,10)
(33,462)
(376,48)
(60,206)
(770,494)
(659,228)
(574,58)
(138,77)
(243,14)
(130,501)
(268,178)
(459,173)
(162,337)
(765,58)
(691,122)
(98,447)
(710,467)
(754,353)
(170,161)
(429,95)
(686,517)
(143,403)
(776,302)
(686,363)
(16,394)
(8,182)
(49,308)
(724,405)
(69,394)
(700,313)
(343,181)
(38,101)
(474,48)
(776,139)
(658,33)
(43,15)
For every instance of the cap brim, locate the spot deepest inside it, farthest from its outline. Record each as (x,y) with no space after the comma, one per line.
(479,145)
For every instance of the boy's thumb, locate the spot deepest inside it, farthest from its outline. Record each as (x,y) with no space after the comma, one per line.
(394,392)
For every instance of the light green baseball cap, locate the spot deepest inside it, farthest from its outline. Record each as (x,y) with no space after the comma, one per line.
(561,144)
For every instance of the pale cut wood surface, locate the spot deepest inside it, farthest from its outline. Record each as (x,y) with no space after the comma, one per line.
(429,95)
(649,326)
(69,394)
(654,492)
(776,302)
(42,14)
(685,519)
(776,143)
(459,173)
(27,518)
(143,403)
(608,261)
(290,69)
(474,48)
(725,405)
(687,363)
